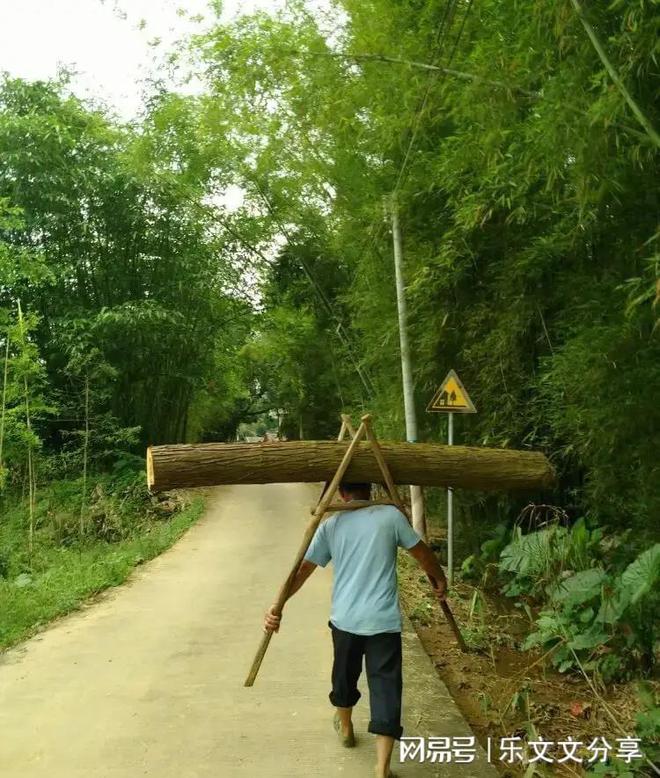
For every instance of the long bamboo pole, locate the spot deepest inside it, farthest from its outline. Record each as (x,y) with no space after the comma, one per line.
(347,424)
(320,511)
(614,75)
(391,486)
(346,427)
(382,464)
(4,398)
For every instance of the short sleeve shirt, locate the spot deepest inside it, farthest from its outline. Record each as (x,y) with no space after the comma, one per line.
(362,545)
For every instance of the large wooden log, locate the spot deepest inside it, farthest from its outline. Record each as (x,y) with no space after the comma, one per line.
(210,464)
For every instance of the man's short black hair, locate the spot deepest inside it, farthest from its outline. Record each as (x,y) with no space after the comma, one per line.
(354,488)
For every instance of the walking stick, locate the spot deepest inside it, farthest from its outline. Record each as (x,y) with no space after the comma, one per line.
(454,626)
(320,511)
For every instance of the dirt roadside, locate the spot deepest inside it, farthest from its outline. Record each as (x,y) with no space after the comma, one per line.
(501,690)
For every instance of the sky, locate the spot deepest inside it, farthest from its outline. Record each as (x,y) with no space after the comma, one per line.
(105,41)
(107,44)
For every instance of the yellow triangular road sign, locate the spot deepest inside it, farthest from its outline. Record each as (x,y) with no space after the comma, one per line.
(451,397)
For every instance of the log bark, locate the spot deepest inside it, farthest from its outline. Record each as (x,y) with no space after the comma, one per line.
(462,467)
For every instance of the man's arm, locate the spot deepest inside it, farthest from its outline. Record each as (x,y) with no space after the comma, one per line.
(272,619)
(428,561)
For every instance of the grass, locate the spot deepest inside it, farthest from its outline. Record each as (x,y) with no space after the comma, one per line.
(124,529)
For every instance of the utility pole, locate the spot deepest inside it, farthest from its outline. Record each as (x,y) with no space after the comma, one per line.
(416,493)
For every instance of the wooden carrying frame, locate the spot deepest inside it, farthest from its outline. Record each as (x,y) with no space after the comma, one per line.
(326,504)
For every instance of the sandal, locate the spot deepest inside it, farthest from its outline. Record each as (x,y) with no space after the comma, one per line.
(348,741)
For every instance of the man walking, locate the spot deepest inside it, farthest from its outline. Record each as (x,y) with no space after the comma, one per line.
(365,617)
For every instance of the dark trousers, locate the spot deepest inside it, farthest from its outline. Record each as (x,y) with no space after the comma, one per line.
(382,655)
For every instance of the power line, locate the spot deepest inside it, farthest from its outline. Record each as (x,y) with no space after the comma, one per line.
(341,331)
(431,81)
(460,32)
(442,31)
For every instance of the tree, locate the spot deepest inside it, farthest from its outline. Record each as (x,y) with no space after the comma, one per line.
(131,266)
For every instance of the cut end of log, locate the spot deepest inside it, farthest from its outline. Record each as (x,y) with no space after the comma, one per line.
(150,470)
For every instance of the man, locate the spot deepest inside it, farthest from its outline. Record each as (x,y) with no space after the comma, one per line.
(365,618)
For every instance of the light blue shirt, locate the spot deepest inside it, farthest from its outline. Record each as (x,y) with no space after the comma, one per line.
(362,545)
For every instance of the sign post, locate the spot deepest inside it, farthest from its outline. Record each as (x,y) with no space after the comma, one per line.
(450,508)
(451,397)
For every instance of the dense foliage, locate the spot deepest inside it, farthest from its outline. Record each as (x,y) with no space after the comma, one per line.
(121,313)
(526,185)
(131,295)
(528,197)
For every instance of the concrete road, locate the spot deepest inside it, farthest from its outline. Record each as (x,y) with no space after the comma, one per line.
(148,681)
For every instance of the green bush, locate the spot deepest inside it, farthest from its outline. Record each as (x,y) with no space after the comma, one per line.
(535,561)
(595,618)
(124,526)
(475,566)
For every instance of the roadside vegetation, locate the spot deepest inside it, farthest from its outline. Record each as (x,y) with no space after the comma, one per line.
(562,630)
(124,527)
(507,688)
(120,320)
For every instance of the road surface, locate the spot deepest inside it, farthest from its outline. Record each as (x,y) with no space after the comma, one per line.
(148,680)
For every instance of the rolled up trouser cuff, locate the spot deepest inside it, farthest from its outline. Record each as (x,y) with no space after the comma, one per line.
(346,701)
(388,728)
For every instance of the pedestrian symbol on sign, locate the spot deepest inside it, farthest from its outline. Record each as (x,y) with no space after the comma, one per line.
(451,397)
